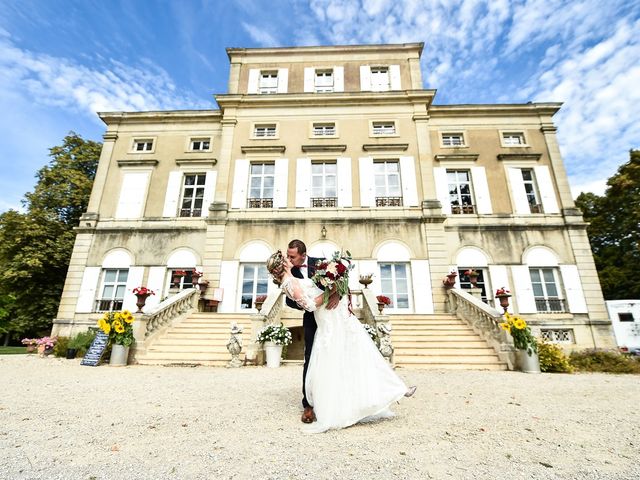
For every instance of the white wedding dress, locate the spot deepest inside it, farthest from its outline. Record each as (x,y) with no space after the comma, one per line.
(348,380)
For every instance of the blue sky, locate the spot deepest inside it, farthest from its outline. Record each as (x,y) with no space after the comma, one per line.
(62,61)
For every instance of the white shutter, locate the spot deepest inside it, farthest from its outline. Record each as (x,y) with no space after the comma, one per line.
(498,278)
(422,292)
(408,179)
(156,283)
(442,188)
(547,191)
(240,184)
(338,79)
(345,186)
(573,289)
(172,196)
(254,80)
(134,279)
(518,193)
(280,183)
(303,183)
(228,283)
(523,289)
(365,78)
(366,182)
(283,80)
(309,79)
(209,188)
(394,76)
(132,193)
(481,190)
(87,294)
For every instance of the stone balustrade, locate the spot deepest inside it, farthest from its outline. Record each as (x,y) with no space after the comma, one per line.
(484,320)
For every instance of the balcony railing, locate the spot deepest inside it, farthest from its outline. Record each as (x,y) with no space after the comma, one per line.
(535,208)
(388,201)
(260,203)
(324,202)
(190,212)
(108,304)
(463,209)
(550,305)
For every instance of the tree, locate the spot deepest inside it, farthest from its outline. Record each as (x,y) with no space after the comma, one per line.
(35,247)
(614,230)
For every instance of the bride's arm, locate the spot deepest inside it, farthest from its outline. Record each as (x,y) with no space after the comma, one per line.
(295,292)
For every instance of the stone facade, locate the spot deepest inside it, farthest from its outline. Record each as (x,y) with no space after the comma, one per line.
(341,147)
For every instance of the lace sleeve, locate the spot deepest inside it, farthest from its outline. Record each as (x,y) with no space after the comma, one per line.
(295,292)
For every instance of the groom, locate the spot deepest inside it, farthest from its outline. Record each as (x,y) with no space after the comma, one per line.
(305,267)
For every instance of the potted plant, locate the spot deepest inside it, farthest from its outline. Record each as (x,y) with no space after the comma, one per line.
(382,302)
(473,275)
(366,279)
(450,280)
(30,343)
(273,338)
(260,299)
(502,294)
(45,345)
(119,327)
(142,293)
(525,343)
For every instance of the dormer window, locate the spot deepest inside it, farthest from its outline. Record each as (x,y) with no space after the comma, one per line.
(268,82)
(143,145)
(380,79)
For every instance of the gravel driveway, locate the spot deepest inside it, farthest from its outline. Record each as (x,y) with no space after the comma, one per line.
(60,420)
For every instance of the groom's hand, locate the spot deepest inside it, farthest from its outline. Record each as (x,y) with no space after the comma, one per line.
(334,300)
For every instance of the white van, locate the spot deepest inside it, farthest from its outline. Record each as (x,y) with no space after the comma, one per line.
(625,318)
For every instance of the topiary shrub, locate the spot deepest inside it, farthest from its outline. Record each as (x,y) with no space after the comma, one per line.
(60,348)
(594,360)
(553,359)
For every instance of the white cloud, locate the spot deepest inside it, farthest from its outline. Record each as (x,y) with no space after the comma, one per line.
(260,35)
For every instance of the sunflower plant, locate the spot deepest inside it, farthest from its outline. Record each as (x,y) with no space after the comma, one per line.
(119,327)
(523,339)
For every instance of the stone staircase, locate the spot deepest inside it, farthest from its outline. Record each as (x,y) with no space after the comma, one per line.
(199,339)
(440,341)
(436,341)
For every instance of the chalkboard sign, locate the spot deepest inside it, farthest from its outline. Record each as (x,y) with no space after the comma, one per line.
(96,350)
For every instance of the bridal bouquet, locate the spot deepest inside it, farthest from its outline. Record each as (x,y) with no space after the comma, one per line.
(334,273)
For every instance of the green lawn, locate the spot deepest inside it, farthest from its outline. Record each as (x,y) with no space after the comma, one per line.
(12,350)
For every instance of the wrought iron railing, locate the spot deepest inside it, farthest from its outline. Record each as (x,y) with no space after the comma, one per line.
(108,305)
(388,201)
(535,208)
(463,209)
(550,305)
(324,202)
(260,203)
(190,212)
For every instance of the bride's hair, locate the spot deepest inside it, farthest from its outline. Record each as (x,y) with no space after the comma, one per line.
(275,266)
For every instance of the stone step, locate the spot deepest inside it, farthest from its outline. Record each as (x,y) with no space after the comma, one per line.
(189,357)
(453,366)
(399,358)
(434,326)
(472,343)
(188,348)
(430,351)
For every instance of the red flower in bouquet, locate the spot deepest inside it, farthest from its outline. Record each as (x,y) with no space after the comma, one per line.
(334,273)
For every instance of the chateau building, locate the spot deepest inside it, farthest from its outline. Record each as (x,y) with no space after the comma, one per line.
(342,147)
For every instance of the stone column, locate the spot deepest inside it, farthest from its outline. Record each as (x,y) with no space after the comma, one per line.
(101,173)
(557,166)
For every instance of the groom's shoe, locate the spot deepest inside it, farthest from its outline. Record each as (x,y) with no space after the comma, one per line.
(308,416)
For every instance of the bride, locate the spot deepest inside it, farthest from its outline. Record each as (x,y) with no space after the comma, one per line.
(348,380)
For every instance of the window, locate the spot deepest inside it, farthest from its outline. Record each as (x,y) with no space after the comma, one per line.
(324,129)
(114,283)
(183,279)
(264,131)
(324,180)
(254,282)
(192,195)
(268,82)
(625,317)
(387,183)
(531,189)
(557,335)
(453,139)
(513,139)
(460,191)
(383,128)
(380,79)
(465,283)
(323,81)
(200,144)
(143,145)
(394,282)
(261,179)
(546,291)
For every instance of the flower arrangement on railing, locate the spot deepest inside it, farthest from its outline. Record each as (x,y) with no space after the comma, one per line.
(472,272)
(195,275)
(260,299)
(383,299)
(278,334)
(450,280)
(523,339)
(143,291)
(119,327)
(179,273)
(502,291)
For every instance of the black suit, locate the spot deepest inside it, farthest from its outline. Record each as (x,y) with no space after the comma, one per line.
(308,324)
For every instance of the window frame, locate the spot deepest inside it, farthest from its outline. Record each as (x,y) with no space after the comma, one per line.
(143,140)
(312,129)
(461,133)
(260,201)
(265,125)
(535,190)
(546,298)
(464,208)
(520,133)
(324,200)
(268,90)
(255,283)
(391,200)
(193,140)
(115,303)
(320,88)
(380,68)
(372,128)
(195,187)
(393,295)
